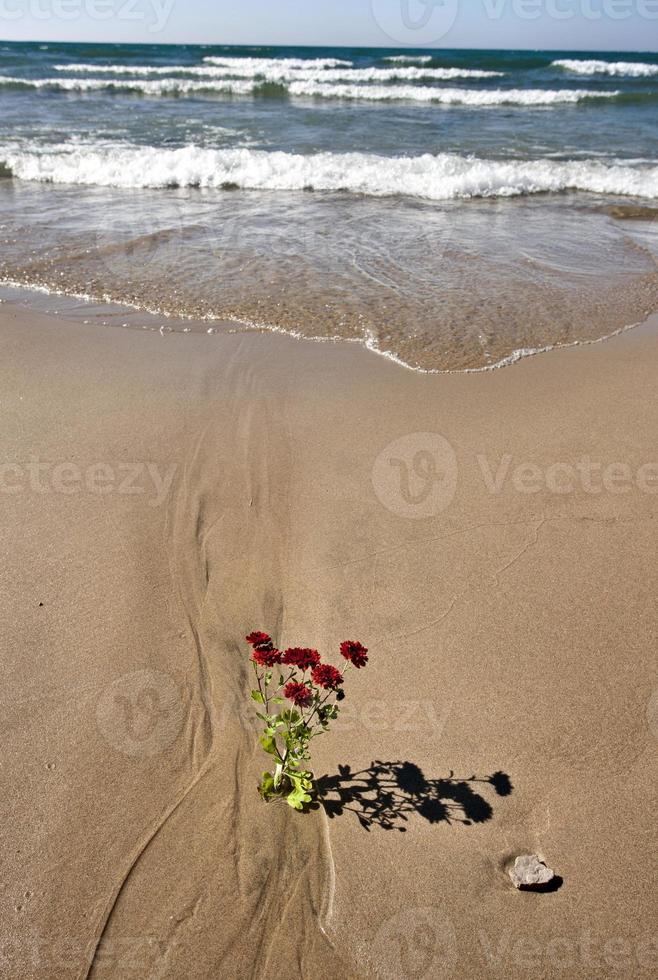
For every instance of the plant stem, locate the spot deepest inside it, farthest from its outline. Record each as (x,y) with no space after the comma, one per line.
(308,721)
(260,687)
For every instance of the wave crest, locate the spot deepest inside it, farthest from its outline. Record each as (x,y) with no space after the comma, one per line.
(261,64)
(409,59)
(449,96)
(440,177)
(632,69)
(280,73)
(314,89)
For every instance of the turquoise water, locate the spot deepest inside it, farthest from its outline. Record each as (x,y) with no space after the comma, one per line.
(450,208)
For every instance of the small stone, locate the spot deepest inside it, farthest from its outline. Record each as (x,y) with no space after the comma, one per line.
(530,873)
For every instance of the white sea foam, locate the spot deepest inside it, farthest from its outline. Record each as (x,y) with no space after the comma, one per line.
(632,69)
(405,72)
(277,73)
(441,177)
(165,86)
(409,59)
(314,89)
(260,64)
(448,96)
(142,70)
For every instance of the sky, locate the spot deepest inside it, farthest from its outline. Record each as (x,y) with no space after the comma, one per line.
(580,25)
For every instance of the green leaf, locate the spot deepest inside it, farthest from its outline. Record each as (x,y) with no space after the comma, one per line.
(299,794)
(269,744)
(266,787)
(327,714)
(277,700)
(257,696)
(268,677)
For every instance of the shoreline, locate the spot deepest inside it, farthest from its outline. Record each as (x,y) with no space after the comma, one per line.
(507,597)
(368,343)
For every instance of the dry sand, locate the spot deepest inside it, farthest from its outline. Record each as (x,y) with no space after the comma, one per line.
(510,632)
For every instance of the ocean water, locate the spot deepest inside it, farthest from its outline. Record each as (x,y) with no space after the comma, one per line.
(451,209)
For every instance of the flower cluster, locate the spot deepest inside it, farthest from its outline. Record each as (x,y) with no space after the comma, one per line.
(264,653)
(355,652)
(299,694)
(324,675)
(301,657)
(312,689)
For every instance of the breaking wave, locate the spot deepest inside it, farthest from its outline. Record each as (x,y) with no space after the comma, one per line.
(631,69)
(409,59)
(261,64)
(314,89)
(277,73)
(449,96)
(441,177)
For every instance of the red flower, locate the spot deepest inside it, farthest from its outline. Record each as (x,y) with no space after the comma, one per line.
(324,675)
(260,640)
(266,656)
(301,657)
(299,694)
(355,652)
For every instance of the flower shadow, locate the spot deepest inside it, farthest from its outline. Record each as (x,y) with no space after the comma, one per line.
(388,793)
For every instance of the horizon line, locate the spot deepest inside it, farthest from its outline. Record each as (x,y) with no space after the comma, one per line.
(344,47)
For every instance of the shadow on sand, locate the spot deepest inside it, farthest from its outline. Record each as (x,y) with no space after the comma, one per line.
(387,793)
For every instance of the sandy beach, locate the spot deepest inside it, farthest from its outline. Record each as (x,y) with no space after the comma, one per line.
(491,538)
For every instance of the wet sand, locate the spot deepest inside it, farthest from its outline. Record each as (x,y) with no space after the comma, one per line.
(163,495)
